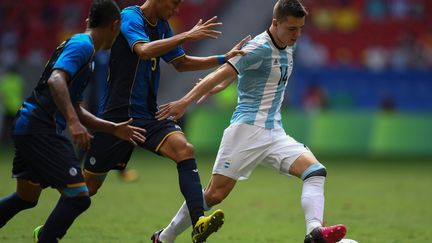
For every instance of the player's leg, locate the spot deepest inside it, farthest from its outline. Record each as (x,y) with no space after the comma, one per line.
(73,202)
(313,175)
(107,152)
(294,158)
(27,190)
(218,189)
(94,181)
(236,159)
(25,197)
(52,158)
(177,148)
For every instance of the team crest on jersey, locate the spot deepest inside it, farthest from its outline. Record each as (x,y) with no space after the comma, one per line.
(227,164)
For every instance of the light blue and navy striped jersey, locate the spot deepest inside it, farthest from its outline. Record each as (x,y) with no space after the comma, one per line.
(262,77)
(39,113)
(133,83)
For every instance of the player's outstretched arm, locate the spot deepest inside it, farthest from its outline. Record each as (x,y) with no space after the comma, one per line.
(58,85)
(191,63)
(198,32)
(176,109)
(122,130)
(218,88)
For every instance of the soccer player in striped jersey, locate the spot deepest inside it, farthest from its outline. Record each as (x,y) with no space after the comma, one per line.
(132,87)
(43,155)
(255,135)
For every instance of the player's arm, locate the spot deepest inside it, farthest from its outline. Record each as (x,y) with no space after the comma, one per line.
(58,85)
(147,50)
(191,63)
(122,130)
(177,108)
(218,88)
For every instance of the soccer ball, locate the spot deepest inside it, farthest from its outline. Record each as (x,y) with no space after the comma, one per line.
(347,241)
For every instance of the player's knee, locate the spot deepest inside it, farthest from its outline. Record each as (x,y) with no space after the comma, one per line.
(94,183)
(186,151)
(25,204)
(93,188)
(316,169)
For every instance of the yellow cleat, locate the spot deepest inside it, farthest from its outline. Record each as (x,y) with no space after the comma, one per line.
(207,226)
(36,233)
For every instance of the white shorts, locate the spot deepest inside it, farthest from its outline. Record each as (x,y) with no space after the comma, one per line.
(244,147)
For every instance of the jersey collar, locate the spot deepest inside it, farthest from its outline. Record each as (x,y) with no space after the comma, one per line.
(274,42)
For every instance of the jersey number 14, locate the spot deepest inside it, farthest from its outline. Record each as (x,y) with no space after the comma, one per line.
(284,75)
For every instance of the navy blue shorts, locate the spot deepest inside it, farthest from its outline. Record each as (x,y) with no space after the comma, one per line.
(48,160)
(108,152)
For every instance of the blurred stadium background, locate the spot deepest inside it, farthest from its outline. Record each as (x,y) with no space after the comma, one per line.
(362,81)
(360,96)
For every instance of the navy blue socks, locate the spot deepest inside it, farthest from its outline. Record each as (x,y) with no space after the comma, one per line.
(62,217)
(190,186)
(11,205)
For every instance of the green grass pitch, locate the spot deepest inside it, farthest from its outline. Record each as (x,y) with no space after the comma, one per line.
(379,200)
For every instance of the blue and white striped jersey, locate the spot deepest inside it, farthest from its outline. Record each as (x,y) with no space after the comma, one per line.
(262,77)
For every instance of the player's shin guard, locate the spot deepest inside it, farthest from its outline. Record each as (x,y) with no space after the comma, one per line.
(62,217)
(190,186)
(11,205)
(312,198)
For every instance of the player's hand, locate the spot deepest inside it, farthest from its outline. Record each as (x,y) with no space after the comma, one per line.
(236,50)
(80,136)
(204,30)
(173,110)
(132,134)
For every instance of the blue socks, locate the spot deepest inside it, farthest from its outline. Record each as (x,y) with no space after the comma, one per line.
(62,217)
(190,186)
(11,205)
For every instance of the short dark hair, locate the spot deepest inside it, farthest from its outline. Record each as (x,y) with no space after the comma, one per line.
(102,13)
(285,8)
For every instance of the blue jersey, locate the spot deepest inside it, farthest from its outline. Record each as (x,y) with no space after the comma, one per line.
(39,113)
(262,77)
(133,83)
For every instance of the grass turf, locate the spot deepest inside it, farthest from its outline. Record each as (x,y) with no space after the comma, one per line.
(379,200)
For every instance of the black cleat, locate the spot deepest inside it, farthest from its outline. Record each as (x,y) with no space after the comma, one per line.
(155,237)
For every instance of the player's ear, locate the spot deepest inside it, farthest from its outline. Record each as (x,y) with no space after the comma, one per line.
(114,27)
(115,24)
(274,22)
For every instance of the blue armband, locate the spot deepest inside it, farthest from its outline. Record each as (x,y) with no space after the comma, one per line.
(220,59)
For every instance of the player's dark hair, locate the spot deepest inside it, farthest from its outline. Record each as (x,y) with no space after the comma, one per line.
(285,8)
(102,13)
